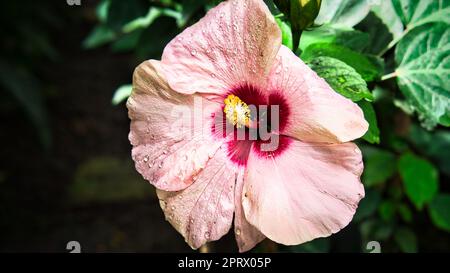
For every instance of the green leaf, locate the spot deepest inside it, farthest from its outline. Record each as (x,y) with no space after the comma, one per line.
(102,10)
(406,240)
(156,37)
(362,64)
(99,36)
(189,8)
(122,12)
(348,37)
(152,14)
(144,21)
(375,229)
(404,105)
(414,13)
(383,26)
(423,72)
(378,32)
(445,120)
(385,11)
(286,34)
(439,210)
(354,39)
(432,144)
(127,41)
(343,12)
(420,179)
(368,205)
(387,210)
(25,88)
(373,134)
(322,34)
(122,93)
(341,77)
(379,166)
(405,212)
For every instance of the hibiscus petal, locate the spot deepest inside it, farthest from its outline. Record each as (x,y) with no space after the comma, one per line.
(235,42)
(247,236)
(203,212)
(170,132)
(316,112)
(306,192)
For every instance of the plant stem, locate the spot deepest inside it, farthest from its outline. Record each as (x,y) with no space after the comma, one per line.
(393,42)
(279,15)
(388,76)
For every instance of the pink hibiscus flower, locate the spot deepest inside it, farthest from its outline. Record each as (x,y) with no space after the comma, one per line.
(307,185)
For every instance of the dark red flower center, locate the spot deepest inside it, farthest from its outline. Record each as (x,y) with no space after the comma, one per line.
(253,119)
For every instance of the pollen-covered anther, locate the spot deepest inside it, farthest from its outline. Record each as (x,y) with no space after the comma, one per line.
(237,111)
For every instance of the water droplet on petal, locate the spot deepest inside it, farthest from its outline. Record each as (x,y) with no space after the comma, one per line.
(207,235)
(160,165)
(238,232)
(146,158)
(193,52)
(185,157)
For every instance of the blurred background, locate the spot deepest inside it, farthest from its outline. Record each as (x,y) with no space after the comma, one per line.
(66,172)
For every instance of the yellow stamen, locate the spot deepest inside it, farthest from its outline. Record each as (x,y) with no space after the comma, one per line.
(237,111)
